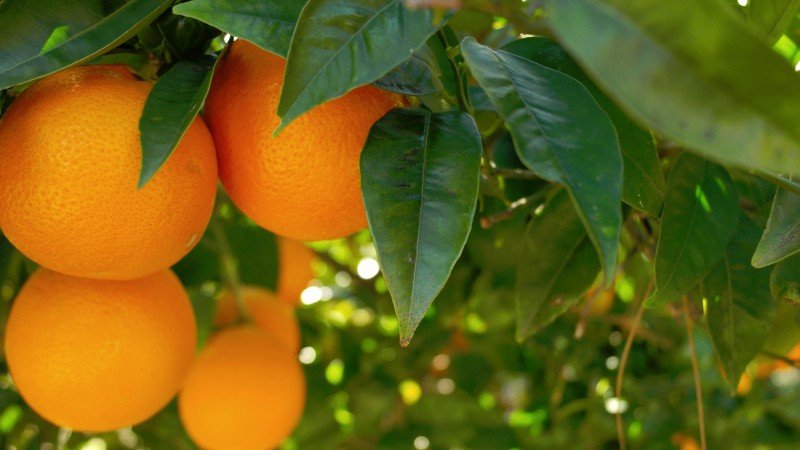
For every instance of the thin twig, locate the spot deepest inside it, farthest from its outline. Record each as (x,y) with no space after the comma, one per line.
(488,221)
(519,174)
(623,362)
(696,372)
(230,269)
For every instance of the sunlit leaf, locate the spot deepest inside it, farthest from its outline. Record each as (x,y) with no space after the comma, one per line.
(342,44)
(690,71)
(43,37)
(782,234)
(561,134)
(268,24)
(701,211)
(419,177)
(171,107)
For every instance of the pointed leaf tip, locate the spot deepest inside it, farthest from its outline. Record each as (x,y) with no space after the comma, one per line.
(413,164)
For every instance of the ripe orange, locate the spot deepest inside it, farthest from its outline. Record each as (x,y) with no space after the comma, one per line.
(294,269)
(69,164)
(244,392)
(95,355)
(305,183)
(267,311)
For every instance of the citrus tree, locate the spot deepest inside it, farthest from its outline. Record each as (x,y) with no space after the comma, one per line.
(395,224)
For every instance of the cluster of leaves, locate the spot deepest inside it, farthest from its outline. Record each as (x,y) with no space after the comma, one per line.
(529,171)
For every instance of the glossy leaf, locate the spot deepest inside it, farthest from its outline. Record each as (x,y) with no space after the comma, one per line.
(700,216)
(43,37)
(171,107)
(781,237)
(417,75)
(770,18)
(643,184)
(741,309)
(558,264)
(342,44)
(419,177)
(561,134)
(269,25)
(785,280)
(731,98)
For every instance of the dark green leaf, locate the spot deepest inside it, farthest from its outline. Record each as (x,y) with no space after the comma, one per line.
(558,264)
(770,18)
(561,134)
(171,107)
(643,184)
(700,216)
(185,37)
(419,177)
(256,252)
(418,75)
(43,37)
(269,25)
(690,71)
(740,308)
(782,235)
(342,44)
(785,280)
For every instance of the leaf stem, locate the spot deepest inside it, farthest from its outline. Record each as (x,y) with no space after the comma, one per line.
(229,268)
(520,174)
(489,221)
(696,372)
(453,51)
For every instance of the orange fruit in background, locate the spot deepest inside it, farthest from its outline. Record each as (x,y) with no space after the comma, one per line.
(96,355)
(267,311)
(70,158)
(244,392)
(294,269)
(303,184)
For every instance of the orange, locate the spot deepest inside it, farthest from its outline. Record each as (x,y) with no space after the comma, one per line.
(267,311)
(69,164)
(95,355)
(244,392)
(294,269)
(303,184)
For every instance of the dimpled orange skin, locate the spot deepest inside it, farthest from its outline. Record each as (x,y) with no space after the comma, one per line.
(96,355)
(267,311)
(69,165)
(244,392)
(294,269)
(303,184)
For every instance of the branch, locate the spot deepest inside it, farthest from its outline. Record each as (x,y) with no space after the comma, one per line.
(696,372)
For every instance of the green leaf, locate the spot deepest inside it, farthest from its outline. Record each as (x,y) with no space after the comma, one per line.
(269,25)
(690,71)
(170,108)
(740,308)
(339,45)
(418,75)
(561,134)
(419,177)
(558,264)
(771,18)
(781,237)
(700,216)
(785,280)
(643,184)
(43,37)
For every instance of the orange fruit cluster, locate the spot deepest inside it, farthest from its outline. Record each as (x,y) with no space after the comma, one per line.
(103,335)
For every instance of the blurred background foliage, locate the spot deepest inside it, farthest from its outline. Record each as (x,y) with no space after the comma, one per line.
(464,382)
